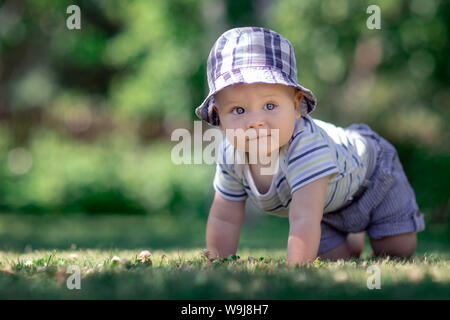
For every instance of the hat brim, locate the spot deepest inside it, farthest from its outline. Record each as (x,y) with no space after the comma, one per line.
(206,112)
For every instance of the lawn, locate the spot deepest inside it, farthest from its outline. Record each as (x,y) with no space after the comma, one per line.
(36,253)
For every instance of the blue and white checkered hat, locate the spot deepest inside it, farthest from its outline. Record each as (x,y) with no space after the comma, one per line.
(250,55)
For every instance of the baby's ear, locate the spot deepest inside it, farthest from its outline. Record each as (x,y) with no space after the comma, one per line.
(216,109)
(297,101)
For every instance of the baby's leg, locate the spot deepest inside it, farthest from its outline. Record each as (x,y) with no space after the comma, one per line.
(356,243)
(400,245)
(351,248)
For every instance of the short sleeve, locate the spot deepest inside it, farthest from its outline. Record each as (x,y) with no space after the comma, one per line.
(310,157)
(226,181)
(228,185)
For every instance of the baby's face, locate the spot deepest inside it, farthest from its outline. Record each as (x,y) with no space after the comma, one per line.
(259,106)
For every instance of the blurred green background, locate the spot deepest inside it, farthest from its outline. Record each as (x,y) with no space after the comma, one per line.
(86,115)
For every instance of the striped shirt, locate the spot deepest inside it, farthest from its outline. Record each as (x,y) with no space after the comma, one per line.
(316,149)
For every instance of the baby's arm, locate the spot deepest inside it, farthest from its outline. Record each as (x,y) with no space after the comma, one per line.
(305,215)
(224,226)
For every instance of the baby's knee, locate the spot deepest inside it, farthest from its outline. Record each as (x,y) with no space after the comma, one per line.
(355,243)
(402,245)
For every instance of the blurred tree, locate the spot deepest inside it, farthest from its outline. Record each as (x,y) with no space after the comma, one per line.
(395,79)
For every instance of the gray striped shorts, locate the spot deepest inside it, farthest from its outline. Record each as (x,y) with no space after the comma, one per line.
(385,205)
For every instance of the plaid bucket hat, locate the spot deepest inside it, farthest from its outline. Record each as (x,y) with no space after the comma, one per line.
(250,55)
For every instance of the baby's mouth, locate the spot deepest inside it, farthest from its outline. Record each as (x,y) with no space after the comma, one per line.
(258,137)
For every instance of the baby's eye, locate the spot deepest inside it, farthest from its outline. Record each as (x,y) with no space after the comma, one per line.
(241,110)
(270,106)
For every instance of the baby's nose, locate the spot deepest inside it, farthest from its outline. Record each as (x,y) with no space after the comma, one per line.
(256,124)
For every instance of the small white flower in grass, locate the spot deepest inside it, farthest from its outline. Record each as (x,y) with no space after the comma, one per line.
(28,263)
(115,259)
(73,256)
(144,256)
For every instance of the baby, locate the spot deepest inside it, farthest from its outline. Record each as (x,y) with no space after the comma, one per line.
(332,183)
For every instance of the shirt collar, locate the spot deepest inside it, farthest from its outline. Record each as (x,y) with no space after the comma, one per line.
(298,127)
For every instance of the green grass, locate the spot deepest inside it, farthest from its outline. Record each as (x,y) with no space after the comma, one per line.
(36,251)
